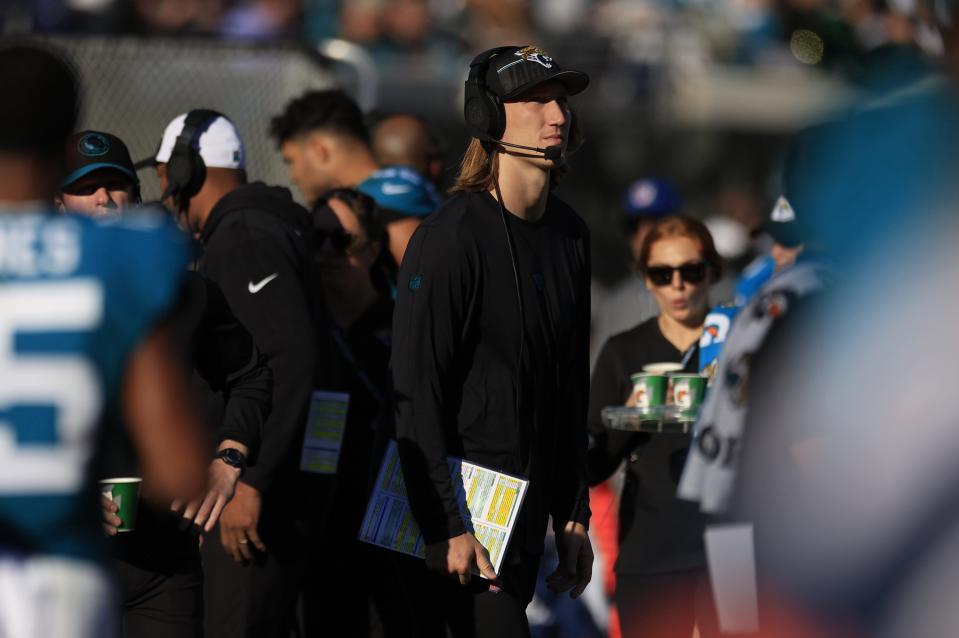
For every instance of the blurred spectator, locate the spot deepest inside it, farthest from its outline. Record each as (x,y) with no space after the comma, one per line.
(404,139)
(406,199)
(325,144)
(628,302)
(735,247)
(361,21)
(262,19)
(323,138)
(407,23)
(862,429)
(179,16)
(495,22)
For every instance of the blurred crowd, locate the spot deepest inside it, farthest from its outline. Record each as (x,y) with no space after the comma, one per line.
(410,33)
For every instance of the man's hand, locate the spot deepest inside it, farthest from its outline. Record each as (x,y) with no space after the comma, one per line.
(575,561)
(458,555)
(221,485)
(111,522)
(238,523)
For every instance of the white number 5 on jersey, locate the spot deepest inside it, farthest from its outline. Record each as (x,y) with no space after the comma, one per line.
(64,384)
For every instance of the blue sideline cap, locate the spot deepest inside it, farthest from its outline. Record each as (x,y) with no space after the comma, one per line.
(400,189)
(651,197)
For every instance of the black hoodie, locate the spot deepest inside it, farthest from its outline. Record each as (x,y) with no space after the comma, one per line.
(257,250)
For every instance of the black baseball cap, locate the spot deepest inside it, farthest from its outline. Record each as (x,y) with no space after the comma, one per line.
(89,151)
(518,69)
(784,226)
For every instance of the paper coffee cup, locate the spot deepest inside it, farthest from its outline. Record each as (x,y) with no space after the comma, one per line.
(664,367)
(649,390)
(125,492)
(688,393)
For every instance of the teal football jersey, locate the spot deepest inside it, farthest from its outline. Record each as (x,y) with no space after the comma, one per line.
(76,298)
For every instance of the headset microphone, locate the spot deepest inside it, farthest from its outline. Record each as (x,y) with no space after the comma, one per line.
(550,152)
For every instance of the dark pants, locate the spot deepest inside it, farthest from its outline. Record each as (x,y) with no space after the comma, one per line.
(362,583)
(666,605)
(159,576)
(446,608)
(258,599)
(161,604)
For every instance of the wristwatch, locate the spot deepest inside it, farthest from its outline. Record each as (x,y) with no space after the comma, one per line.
(233,457)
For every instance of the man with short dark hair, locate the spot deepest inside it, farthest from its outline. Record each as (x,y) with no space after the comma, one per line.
(325,144)
(324,141)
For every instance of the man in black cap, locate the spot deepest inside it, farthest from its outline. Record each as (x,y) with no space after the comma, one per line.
(101,179)
(490,349)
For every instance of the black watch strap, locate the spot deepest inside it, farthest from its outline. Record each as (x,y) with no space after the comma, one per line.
(233,457)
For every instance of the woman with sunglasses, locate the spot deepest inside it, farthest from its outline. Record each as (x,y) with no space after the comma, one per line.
(351,250)
(661,584)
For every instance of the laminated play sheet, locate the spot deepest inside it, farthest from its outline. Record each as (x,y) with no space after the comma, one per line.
(323,437)
(489,503)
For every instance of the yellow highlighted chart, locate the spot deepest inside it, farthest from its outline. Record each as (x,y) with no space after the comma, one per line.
(489,502)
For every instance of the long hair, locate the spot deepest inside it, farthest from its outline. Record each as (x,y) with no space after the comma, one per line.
(480,162)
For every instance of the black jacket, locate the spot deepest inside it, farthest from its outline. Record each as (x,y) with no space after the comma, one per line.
(232,380)
(456,368)
(658,532)
(257,251)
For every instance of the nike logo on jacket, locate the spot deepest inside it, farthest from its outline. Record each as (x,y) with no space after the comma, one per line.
(258,286)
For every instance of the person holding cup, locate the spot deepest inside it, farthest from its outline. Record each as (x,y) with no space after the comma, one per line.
(662,588)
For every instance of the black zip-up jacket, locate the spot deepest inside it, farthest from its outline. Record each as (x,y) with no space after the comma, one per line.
(257,250)
(232,380)
(460,387)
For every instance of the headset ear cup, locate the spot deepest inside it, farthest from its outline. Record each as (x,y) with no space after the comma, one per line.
(179,172)
(497,123)
(197,175)
(475,111)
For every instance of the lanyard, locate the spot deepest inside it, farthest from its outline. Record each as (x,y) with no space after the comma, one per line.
(689,355)
(351,359)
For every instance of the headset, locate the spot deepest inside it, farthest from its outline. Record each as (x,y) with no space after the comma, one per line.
(483,110)
(185,169)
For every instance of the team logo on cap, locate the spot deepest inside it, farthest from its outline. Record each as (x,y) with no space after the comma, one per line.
(783,212)
(93,145)
(537,55)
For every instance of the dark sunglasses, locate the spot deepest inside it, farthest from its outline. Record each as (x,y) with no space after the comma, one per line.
(692,273)
(338,239)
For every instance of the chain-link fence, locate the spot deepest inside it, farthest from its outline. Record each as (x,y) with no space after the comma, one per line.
(133,87)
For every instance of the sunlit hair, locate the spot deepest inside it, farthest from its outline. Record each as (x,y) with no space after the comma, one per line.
(682,226)
(475,174)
